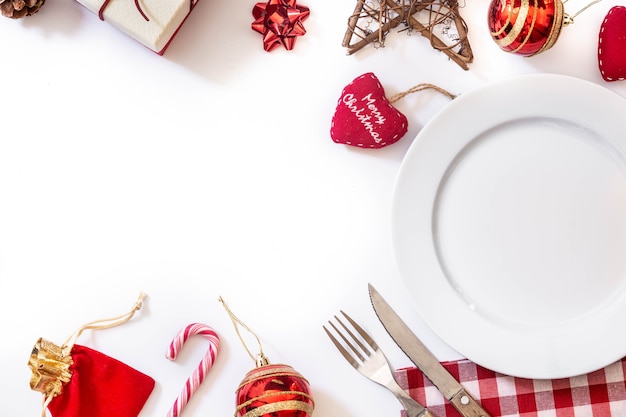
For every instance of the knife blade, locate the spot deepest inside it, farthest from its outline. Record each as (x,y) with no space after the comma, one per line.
(424,359)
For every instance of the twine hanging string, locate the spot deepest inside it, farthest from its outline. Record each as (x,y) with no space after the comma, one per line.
(66,348)
(260,358)
(420,87)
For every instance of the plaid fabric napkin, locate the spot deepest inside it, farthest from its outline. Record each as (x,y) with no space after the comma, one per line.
(601,393)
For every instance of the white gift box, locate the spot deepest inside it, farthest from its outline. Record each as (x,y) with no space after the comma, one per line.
(154,23)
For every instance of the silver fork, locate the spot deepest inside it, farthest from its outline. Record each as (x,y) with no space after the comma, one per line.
(370,361)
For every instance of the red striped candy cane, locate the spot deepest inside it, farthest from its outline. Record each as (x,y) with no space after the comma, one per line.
(194,381)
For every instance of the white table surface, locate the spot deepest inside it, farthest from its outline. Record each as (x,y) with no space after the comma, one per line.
(210,171)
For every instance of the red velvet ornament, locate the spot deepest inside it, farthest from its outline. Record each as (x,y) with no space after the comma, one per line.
(101,386)
(612,45)
(526,27)
(274,391)
(77,381)
(364,117)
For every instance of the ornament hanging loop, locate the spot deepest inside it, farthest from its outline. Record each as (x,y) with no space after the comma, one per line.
(420,87)
(568,20)
(103,324)
(260,359)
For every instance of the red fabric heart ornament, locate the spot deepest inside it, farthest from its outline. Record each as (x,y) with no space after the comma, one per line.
(612,45)
(364,117)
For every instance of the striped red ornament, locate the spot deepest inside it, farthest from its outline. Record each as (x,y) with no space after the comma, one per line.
(274,390)
(270,390)
(526,27)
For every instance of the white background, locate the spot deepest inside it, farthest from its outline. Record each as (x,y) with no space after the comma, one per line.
(210,171)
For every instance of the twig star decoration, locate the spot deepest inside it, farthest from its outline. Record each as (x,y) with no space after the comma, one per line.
(280,22)
(372,20)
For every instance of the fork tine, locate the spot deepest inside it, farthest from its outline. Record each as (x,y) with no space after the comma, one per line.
(353,338)
(340,347)
(347,342)
(362,332)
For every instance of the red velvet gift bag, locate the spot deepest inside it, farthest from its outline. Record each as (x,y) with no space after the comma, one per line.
(81,382)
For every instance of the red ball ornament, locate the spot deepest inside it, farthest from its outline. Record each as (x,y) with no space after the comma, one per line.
(526,27)
(274,391)
(270,390)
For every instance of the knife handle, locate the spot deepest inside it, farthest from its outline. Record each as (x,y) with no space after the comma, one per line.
(467,405)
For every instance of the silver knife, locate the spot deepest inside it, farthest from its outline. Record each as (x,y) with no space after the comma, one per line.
(424,359)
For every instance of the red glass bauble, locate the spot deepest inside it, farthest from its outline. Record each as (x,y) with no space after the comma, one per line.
(526,27)
(274,391)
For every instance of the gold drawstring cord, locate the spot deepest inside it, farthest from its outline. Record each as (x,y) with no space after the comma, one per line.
(47,399)
(95,325)
(260,359)
(103,324)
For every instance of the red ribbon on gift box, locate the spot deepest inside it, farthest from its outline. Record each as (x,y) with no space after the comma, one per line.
(106,3)
(192,4)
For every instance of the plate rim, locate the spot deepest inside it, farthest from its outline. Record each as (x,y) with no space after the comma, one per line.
(546,360)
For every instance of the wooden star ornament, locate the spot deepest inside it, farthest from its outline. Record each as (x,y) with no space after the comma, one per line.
(280,22)
(438,20)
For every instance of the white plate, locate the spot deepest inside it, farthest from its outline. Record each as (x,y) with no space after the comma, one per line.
(509,226)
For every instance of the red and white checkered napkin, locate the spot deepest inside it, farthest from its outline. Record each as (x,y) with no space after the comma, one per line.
(601,393)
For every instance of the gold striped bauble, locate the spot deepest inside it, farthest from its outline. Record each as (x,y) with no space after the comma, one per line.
(276,391)
(526,27)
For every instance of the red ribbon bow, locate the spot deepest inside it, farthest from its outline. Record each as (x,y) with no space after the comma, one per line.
(280,22)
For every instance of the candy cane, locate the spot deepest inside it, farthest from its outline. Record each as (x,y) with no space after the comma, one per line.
(194,381)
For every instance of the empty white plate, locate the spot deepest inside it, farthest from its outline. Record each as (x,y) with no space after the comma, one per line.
(509,225)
